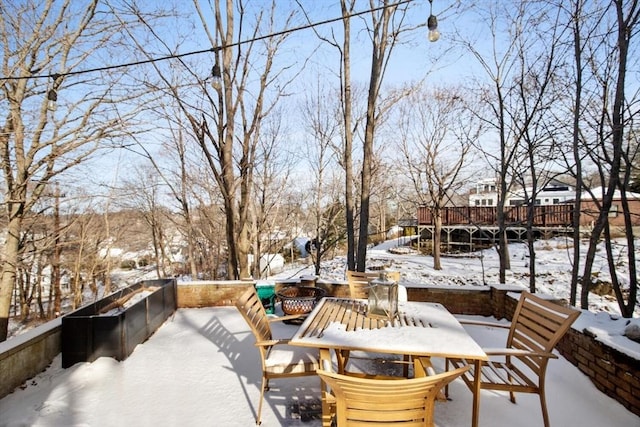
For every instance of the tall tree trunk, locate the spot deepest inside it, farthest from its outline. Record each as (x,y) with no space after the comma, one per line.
(437,238)
(348,138)
(9,264)
(55,263)
(628,309)
(577,108)
(379,51)
(625,30)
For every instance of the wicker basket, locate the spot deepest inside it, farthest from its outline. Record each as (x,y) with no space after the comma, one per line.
(300,299)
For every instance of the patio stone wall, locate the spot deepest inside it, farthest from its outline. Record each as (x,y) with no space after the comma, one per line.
(210,293)
(459,301)
(28,354)
(614,373)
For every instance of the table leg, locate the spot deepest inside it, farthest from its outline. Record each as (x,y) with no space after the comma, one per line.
(342,357)
(476,392)
(419,368)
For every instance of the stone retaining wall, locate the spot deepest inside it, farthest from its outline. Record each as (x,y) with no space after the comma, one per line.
(476,300)
(614,373)
(28,354)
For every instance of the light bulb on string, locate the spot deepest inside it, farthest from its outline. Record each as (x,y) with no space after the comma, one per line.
(52,98)
(432,25)
(216,78)
(52,94)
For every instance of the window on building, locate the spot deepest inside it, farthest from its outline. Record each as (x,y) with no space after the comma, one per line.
(613,212)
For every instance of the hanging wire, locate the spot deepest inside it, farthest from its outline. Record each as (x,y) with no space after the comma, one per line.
(199,52)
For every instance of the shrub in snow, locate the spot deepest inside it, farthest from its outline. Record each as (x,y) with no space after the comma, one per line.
(632,331)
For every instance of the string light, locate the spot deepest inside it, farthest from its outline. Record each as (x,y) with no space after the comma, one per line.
(432,24)
(216,77)
(52,94)
(213,49)
(52,97)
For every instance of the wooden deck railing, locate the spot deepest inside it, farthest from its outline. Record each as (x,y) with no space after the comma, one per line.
(544,216)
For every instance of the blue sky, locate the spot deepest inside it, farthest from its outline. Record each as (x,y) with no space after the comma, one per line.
(413,59)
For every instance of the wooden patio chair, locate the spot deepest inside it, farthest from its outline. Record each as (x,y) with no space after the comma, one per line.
(359,282)
(407,402)
(279,360)
(521,366)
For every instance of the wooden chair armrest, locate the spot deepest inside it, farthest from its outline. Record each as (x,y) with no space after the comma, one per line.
(287,317)
(269,343)
(517,353)
(483,323)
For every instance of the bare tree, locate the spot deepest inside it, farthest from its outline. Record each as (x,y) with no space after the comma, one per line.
(436,137)
(385,30)
(319,112)
(612,123)
(39,271)
(173,168)
(209,224)
(83,253)
(142,194)
(348,132)
(226,121)
(271,179)
(508,113)
(44,44)
(576,23)
(386,26)
(539,56)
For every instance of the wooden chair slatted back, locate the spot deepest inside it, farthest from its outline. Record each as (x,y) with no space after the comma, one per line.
(408,401)
(252,310)
(359,282)
(538,325)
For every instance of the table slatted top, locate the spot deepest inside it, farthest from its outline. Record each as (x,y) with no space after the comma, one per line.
(353,315)
(420,329)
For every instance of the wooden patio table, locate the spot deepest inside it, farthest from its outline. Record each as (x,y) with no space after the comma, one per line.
(420,330)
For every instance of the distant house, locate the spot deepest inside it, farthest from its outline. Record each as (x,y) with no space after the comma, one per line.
(485,193)
(589,207)
(554,193)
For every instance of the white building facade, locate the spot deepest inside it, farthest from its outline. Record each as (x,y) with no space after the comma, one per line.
(554,193)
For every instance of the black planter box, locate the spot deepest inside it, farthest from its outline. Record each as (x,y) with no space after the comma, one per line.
(87,334)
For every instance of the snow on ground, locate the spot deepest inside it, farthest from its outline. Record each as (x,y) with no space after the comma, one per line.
(553,269)
(201,368)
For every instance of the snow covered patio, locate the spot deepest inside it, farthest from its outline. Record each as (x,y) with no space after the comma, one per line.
(201,368)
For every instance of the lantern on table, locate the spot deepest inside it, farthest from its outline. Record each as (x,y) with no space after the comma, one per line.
(383,298)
